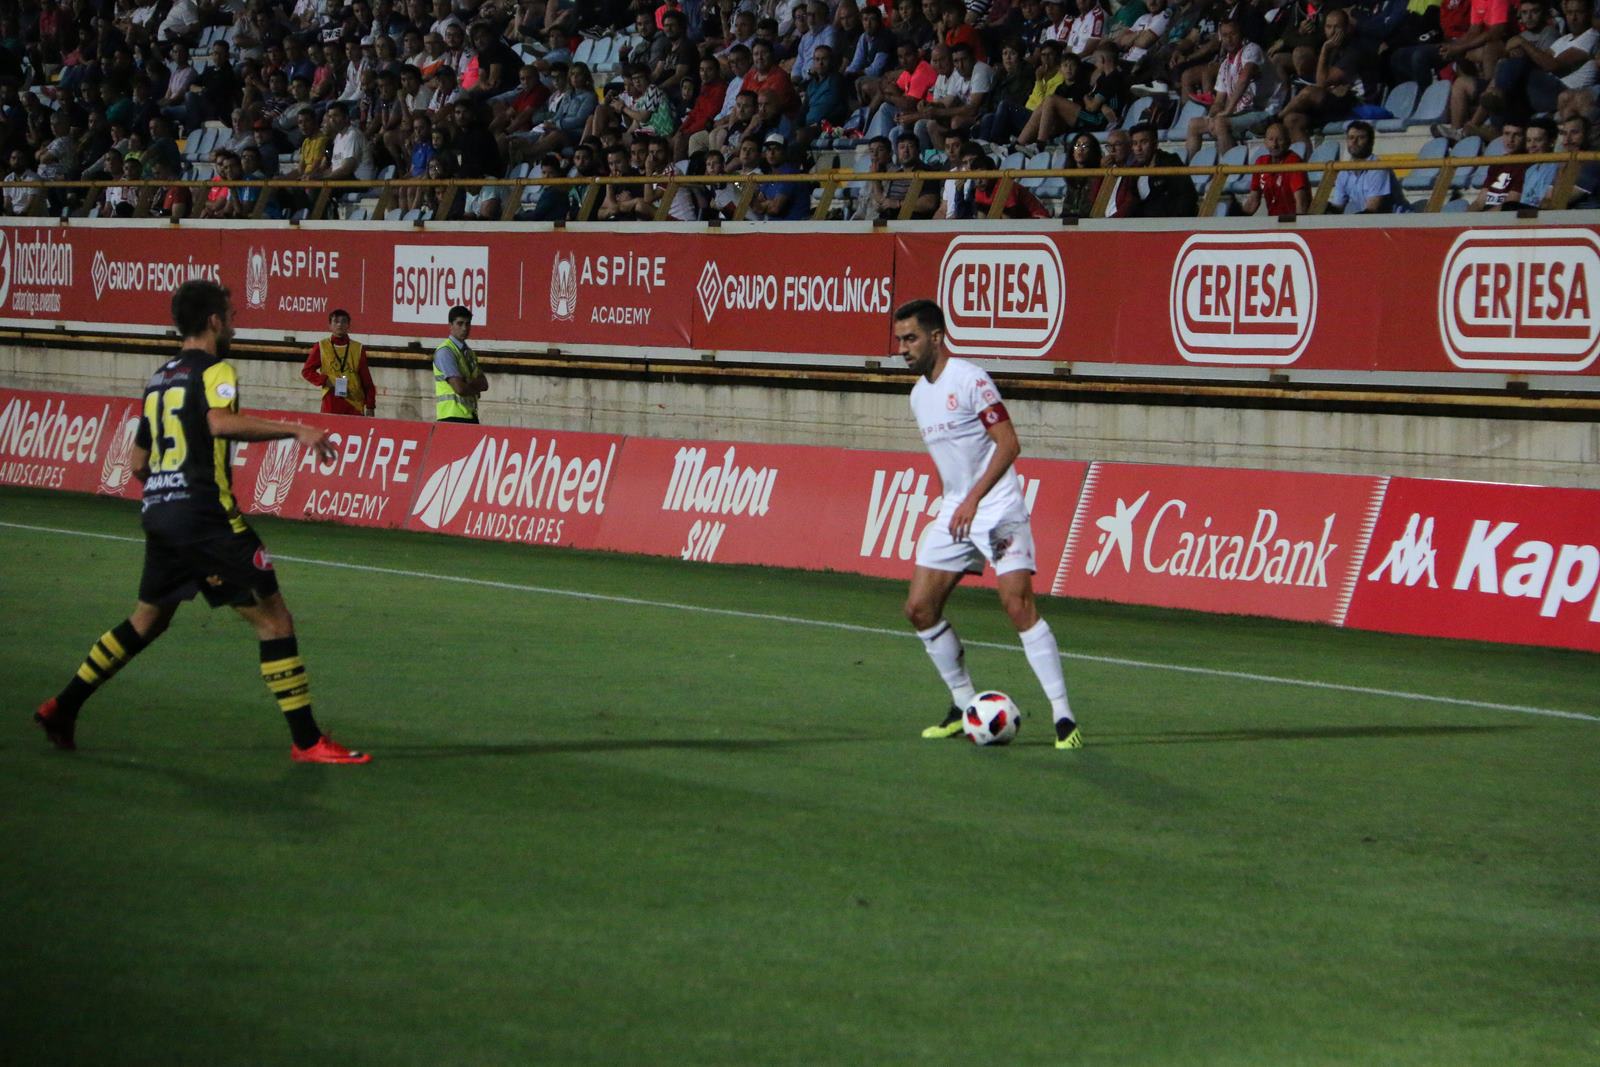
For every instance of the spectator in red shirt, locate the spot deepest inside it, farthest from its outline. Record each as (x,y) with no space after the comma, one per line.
(766,76)
(1285,193)
(337,365)
(707,102)
(1502,185)
(954,29)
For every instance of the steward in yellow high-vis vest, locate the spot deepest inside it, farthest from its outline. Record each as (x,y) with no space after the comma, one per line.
(457,380)
(338,364)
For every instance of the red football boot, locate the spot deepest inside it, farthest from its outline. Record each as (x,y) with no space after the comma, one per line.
(326,750)
(58,725)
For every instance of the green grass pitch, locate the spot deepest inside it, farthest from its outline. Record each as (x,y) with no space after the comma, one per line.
(598,831)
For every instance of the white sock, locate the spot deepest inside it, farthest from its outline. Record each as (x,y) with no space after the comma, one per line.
(1044,656)
(944,648)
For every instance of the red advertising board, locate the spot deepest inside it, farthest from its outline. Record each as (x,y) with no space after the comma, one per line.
(1510,563)
(830,294)
(529,486)
(817,508)
(371,482)
(63,441)
(1274,543)
(1484,561)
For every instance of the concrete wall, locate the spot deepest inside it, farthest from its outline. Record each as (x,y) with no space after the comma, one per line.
(1534,451)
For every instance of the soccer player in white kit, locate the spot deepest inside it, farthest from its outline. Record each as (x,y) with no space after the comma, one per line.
(982,517)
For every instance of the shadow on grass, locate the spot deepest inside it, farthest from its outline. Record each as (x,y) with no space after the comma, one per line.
(555,748)
(1289,733)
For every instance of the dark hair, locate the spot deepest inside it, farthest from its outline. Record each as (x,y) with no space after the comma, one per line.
(1547,125)
(929,316)
(459,311)
(194,303)
(1095,155)
(1142,127)
(338,105)
(1360,124)
(880,140)
(336,312)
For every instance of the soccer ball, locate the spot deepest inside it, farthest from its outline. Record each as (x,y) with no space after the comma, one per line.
(991,718)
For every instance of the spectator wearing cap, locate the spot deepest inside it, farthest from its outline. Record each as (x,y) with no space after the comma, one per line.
(1502,183)
(1167,196)
(1247,91)
(781,201)
(1284,192)
(958,95)
(1364,192)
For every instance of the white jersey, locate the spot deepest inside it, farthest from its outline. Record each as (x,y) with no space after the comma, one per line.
(954,414)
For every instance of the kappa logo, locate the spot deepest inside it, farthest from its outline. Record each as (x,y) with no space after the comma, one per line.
(1243,299)
(1116,535)
(446,490)
(99,272)
(564,287)
(1002,296)
(1521,300)
(255,278)
(1411,556)
(118,465)
(950,402)
(709,289)
(276,476)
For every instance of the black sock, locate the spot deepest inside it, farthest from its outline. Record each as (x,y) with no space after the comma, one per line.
(108,656)
(285,674)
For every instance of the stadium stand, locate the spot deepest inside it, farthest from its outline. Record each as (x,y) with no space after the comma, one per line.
(512,90)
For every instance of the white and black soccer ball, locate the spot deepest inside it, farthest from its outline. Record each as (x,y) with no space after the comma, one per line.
(991,718)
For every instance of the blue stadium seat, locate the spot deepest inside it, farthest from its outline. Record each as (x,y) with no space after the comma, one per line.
(1204,156)
(1479,175)
(1431,108)
(1401,102)
(1437,148)
(1327,152)
(1137,111)
(1180,122)
(1465,148)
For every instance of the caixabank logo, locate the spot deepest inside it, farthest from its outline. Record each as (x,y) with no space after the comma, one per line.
(1521,300)
(1243,299)
(1003,296)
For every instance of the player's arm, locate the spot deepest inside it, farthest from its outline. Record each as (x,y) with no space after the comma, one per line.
(1007,448)
(232,426)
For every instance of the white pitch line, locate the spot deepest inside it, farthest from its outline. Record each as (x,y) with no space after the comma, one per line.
(881,631)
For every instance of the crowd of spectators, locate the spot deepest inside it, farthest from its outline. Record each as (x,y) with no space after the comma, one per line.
(490,89)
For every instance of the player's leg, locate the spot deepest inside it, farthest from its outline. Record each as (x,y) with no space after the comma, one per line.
(118,645)
(284,672)
(930,589)
(1009,546)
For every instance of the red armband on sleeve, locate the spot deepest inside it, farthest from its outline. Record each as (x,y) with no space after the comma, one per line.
(994,414)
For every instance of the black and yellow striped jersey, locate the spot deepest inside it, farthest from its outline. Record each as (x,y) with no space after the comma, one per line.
(189,494)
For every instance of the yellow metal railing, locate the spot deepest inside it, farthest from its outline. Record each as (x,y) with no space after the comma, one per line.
(660,189)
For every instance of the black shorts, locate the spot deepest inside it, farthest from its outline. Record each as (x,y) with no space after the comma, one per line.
(232,570)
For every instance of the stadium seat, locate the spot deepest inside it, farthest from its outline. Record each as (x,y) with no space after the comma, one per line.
(1401,102)
(358,213)
(1431,108)
(1053,188)
(1465,148)
(1137,111)
(1424,178)
(584,53)
(1237,183)
(1204,156)
(1038,162)
(1180,122)
(1451,206)
(1479,175)
(1327,152)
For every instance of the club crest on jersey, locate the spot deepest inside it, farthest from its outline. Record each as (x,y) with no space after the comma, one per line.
(951,402)
(262,559)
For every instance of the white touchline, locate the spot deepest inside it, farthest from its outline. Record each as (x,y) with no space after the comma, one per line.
(757,616)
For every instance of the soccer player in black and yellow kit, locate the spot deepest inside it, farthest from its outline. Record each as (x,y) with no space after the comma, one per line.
(195,539)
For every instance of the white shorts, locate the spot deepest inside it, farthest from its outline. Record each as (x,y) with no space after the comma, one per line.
(1007,544)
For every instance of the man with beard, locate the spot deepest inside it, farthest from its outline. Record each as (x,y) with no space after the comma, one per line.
(195,539)
(982,518)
